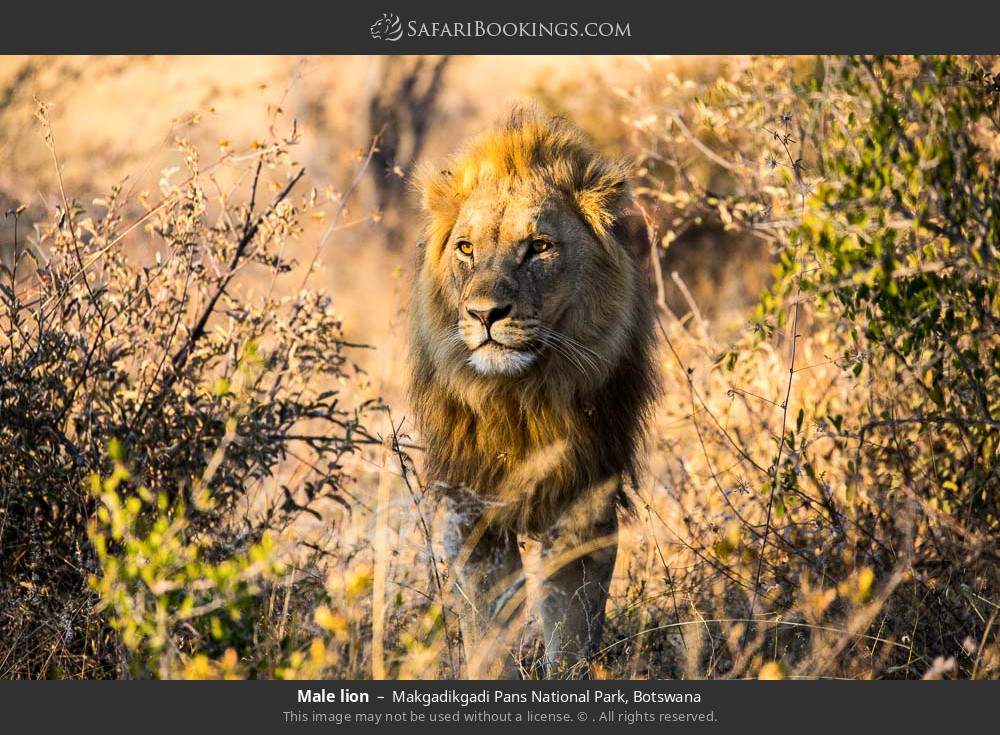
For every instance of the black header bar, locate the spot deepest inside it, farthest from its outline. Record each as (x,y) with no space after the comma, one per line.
(509,27)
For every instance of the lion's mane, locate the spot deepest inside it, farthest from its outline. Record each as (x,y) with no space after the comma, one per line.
(530,446)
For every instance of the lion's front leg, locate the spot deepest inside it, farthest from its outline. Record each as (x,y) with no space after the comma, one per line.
(489,587)
(578,558)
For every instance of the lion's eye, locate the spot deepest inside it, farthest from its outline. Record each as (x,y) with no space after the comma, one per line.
(540,246)
(465,248)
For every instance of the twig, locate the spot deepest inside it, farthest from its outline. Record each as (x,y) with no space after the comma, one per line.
(198,330)
(776,467)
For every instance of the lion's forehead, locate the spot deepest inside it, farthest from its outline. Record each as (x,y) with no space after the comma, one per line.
(492,218)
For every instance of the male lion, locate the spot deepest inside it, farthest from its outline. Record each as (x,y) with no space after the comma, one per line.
(533,374)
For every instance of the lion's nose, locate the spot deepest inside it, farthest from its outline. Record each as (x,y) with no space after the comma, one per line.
(489,315)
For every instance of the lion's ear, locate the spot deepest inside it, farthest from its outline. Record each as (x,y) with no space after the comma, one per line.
(632,231)
(437,190)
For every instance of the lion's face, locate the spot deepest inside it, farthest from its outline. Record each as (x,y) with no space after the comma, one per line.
(525,278)
(514,265)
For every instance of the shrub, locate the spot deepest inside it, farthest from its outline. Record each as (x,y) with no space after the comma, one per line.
(900,249)
(158,585)
(843,511)
(130,324)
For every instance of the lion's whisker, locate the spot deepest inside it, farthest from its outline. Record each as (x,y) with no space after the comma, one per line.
(577,359)
(576,343)
(572,345)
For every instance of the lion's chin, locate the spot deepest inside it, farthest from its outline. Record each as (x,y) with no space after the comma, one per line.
(493,359)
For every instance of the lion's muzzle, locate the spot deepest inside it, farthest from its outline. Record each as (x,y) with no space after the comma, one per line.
(499,343)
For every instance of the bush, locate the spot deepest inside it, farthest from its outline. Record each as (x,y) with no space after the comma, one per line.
(161,354)
(842,515)
(900,249)
(158,587)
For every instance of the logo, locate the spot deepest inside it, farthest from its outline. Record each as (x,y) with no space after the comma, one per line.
(387,28)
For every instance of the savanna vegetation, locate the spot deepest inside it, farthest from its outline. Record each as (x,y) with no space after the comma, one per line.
(207,466)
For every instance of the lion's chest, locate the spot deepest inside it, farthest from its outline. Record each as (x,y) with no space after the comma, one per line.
(503,449)
(527,464)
